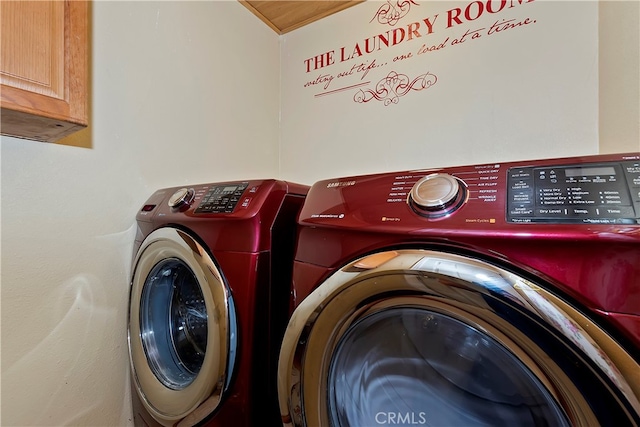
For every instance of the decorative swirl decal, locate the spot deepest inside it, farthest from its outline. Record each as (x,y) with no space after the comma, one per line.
(391,88)
(390,13)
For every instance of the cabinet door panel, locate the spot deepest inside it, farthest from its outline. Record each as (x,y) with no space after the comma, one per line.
(33,46)
(43,72)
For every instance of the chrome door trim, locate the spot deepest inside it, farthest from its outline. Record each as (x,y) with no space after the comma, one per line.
(169,406)
(454,285)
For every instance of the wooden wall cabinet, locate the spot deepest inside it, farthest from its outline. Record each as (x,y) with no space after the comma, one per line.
(43,68)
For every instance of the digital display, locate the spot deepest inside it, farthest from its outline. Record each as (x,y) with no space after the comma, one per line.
(229,189)
(596,193)
(593,171)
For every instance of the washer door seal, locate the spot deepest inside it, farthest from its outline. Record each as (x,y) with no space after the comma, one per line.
(182,327)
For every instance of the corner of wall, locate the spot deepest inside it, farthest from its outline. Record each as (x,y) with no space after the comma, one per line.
(618,69)
(280,50)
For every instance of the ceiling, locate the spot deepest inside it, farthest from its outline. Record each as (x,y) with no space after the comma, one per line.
(284,16)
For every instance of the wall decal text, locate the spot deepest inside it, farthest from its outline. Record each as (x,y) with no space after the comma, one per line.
(360,58)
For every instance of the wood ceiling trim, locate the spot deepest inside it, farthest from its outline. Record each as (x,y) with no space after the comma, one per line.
(284,16)
(260,15)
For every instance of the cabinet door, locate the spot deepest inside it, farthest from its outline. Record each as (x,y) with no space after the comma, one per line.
(43,68)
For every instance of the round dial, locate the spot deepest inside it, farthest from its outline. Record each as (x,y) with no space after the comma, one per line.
(436,195)
(181,197)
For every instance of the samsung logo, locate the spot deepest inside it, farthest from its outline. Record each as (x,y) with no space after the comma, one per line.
(341,184)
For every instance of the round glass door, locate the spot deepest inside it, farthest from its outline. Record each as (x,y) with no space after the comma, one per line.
(182,328)
(410,366)
(173,323)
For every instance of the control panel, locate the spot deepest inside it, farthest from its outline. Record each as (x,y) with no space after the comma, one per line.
(221,198)
(591,193)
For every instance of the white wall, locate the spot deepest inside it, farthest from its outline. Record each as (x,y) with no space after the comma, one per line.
(619,49)
(183,92)
(526,92)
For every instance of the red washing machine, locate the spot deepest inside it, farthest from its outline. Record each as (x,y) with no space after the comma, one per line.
(496,294)
(209,302)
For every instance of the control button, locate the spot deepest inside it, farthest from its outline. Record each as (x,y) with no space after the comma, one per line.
(182,197)
(586,211)
(435,191)
(632,167)
(551,212)
(522,197)
(521,211)
(615,211)
(632,171)
(437,195)
(520,184)
(521,173)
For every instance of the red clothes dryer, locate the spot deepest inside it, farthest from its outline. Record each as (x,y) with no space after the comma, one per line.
(209,302)
(495,294)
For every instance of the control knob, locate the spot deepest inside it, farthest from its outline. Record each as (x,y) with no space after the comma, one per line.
(182,197)
(437,195)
